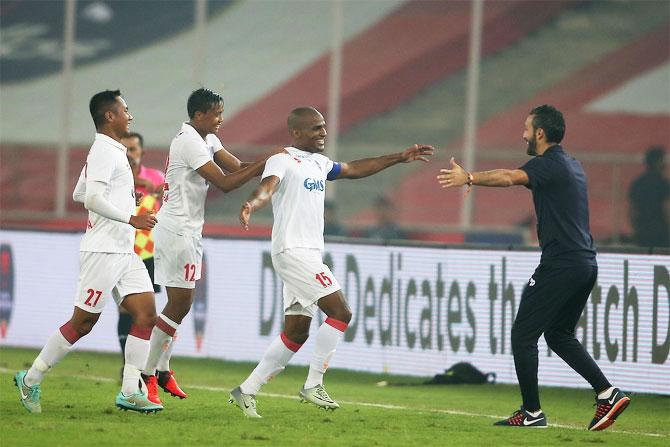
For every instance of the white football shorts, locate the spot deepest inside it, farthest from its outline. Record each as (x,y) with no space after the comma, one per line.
(177,258)
(105,274)
(306,279)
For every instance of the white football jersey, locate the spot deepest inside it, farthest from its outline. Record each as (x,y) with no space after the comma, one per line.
(297,204)
(185,191)
(107,163)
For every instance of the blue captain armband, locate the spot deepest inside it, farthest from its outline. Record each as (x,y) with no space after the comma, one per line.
(334,172)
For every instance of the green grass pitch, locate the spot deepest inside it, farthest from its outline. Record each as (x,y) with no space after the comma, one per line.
(78,409)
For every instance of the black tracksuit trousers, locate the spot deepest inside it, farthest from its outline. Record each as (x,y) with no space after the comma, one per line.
(552,304)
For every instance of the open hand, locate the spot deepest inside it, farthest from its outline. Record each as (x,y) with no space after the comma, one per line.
(417,152)
(454,176)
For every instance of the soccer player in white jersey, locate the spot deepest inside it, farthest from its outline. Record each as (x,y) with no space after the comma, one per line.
(295,181)
(109,266)
(196,159)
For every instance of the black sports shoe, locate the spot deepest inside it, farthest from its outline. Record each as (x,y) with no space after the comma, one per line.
(607,410)
(522,418)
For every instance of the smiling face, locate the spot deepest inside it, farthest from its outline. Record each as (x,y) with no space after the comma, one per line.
(119,118)
(210,121)
(309,133)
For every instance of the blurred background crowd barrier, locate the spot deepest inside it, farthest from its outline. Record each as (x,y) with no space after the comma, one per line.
(460,75)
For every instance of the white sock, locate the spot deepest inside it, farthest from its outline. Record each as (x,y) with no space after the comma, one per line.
(535,413)
(606,394)
(53,352)
(164,360)
(327,337)
(275,359)
(161,334)
(137,350)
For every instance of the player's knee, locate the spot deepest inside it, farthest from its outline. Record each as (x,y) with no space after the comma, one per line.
(180,307)
(185,307)
(340,312)
(297,336)
(344,316)
(146,318)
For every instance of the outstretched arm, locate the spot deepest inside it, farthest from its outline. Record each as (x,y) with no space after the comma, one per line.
(457,176)
(369,166)
(258,199)
(226,183)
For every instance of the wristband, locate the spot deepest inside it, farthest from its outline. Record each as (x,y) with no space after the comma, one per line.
(471,179)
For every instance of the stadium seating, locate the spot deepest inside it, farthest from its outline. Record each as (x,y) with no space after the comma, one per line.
(394,94)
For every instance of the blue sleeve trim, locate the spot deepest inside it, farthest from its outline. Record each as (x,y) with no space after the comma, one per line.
(334,172)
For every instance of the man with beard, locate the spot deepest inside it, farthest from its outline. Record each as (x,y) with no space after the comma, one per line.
(558,290)
(108,265)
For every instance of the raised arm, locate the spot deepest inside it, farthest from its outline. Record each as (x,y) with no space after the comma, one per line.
(258,199)
(226,183)
(369,166)
(457,176)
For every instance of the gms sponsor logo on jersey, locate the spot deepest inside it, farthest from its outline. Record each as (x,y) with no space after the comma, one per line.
(314,185)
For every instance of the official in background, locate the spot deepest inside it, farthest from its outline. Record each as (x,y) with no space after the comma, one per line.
(385,228)
(649,197)
(331,223)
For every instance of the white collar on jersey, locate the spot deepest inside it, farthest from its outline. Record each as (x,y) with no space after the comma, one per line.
(298,152)
(110,140)
(188,128)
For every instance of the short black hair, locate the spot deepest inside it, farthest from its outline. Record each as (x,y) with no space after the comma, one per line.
(138,136)
(549,119)
(102,103)
(654,155)
(202,100)
(296,116)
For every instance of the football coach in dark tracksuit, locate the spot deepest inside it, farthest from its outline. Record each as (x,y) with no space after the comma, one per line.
(557,292)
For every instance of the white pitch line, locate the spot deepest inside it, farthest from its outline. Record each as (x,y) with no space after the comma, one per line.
(368,404)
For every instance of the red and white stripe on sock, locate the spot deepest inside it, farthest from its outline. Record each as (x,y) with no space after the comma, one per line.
(161,334)
(290,344)
(166,325)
